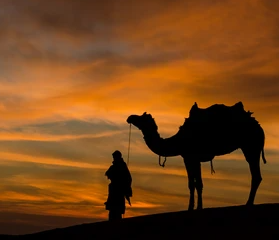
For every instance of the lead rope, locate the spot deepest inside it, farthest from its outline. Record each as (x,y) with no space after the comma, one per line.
(128,151)
(129,145)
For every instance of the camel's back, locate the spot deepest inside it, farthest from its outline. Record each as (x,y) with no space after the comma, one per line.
(221,116)
(217,112)
(219,125)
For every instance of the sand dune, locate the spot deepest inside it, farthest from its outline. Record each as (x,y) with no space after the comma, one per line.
(237,222)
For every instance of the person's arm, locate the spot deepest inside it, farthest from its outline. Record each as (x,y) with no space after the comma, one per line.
(129,184)
(109,172)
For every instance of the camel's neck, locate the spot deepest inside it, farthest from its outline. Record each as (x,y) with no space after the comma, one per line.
(168,147)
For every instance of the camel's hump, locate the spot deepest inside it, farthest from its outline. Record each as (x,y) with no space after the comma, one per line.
(217,109)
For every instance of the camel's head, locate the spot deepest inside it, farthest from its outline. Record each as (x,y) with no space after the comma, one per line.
(143,122)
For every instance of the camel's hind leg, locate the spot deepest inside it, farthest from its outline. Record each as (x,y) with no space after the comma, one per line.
(254,164)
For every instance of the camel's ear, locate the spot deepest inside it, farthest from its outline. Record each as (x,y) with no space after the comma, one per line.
(196,104)
(250,113)
(144,113)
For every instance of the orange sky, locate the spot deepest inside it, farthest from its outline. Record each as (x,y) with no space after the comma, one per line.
(71,72)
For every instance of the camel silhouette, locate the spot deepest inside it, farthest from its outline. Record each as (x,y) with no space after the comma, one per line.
(206,133)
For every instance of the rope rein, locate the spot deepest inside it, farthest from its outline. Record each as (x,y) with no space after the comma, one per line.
(128,156)
(129,142)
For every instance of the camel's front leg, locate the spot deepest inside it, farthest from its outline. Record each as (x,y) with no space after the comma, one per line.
(194,182)
(199,184)
(191,185)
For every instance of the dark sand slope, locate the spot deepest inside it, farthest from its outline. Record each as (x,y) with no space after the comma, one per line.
(238,222)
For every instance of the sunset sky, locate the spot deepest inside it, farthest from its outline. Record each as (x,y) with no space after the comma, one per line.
(71,72)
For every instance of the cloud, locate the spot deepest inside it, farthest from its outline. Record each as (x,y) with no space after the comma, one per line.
(53,190)
(118,68)
(73,127)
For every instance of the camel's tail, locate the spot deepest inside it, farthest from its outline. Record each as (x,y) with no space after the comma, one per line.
(264,160)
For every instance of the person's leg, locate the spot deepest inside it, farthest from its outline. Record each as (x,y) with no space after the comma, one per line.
(114,215)
(118,216)
(111,215)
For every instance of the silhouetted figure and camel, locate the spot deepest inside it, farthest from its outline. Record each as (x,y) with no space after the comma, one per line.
(119,188)
(213,131)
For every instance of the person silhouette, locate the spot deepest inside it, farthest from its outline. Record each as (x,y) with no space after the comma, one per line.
(119,188)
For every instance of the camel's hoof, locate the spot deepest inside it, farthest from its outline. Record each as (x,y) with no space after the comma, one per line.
(249,204)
